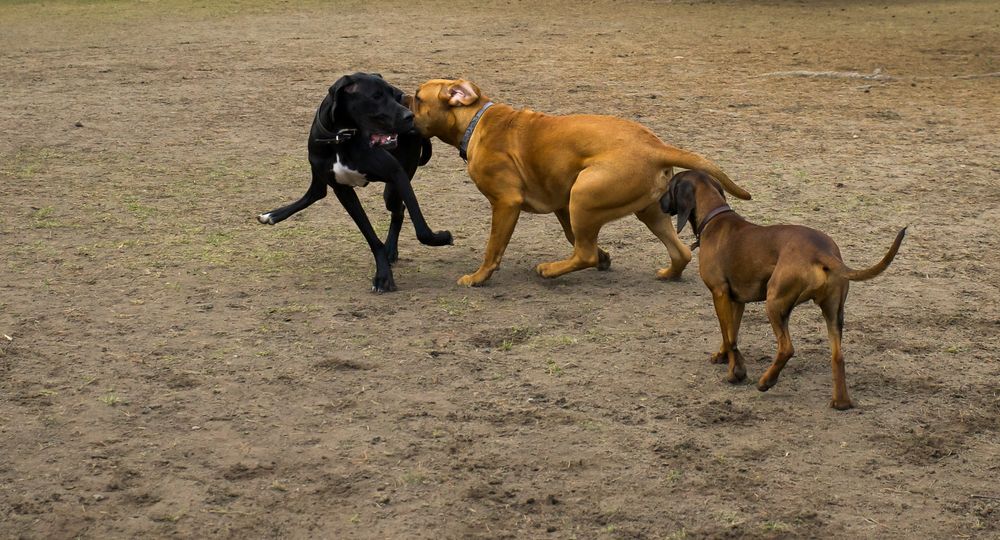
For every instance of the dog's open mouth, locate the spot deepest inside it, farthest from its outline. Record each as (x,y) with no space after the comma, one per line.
(380,139)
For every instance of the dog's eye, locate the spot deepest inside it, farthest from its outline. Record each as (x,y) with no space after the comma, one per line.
(377,95)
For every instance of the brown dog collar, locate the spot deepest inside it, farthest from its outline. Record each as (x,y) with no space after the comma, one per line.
(463,148)
(704,223)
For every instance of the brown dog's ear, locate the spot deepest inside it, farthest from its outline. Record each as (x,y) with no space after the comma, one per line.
(460,93)
(683,202)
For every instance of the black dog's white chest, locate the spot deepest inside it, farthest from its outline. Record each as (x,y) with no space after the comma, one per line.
(342,174)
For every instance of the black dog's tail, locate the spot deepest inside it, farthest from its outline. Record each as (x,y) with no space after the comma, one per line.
(868,273)
(425,152)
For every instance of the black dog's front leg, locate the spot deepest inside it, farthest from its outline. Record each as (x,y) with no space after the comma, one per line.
(424,233)
(394,205)
(316,191)
(383,281)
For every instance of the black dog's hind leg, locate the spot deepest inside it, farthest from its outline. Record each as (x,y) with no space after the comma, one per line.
(316,191)
(424,233)
(394,205)
(383,281)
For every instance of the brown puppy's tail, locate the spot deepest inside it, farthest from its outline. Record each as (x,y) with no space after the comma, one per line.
(868,273)
(675,157)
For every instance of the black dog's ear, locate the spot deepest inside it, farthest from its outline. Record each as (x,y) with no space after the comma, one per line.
(343,84)
(683,203)
(379,75)
(425,151)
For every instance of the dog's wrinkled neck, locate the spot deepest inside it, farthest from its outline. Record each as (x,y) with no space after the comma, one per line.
(463,146)
(709,205)
(461,118)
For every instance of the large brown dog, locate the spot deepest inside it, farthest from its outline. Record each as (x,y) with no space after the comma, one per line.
(588,170)
(784,264)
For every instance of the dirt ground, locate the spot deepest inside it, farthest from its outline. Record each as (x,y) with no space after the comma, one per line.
(169,367)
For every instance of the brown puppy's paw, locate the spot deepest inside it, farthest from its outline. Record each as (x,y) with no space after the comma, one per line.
(842,404)
(719,358)
(765,384)
(736,375)
(603,260)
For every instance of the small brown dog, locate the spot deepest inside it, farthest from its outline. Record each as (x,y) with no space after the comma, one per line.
(588,170)
(783,264)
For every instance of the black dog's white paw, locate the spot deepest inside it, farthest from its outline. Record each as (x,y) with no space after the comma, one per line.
(266,219)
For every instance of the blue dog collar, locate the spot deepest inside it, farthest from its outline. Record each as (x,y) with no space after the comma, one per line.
(463,149)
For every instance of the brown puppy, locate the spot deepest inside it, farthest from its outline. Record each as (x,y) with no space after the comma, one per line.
(588,170)
(784,264)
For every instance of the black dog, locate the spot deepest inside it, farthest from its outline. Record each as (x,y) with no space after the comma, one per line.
(363,133)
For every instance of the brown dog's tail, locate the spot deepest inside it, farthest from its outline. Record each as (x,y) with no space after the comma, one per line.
(675,157)
(868,273)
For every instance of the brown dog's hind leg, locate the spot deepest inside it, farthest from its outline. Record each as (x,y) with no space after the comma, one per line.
(603,259)
(726,310)
(779,309)
(593,202)
(659,224)
(585,254)
(833,312)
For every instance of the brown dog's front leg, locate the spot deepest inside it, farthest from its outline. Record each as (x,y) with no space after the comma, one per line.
(505,214)
(726,312)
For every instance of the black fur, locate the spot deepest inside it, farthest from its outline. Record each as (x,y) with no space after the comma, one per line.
(374,109)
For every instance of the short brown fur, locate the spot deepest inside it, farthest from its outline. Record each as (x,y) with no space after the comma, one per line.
(783,264)
(588,170)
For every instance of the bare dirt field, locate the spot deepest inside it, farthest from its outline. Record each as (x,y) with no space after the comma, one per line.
(170,367)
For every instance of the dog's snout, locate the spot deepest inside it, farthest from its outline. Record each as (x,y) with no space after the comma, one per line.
(406,120)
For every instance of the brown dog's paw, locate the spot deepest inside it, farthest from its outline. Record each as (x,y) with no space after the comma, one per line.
(842,404)
(765,384)
(669,274)
(719,358)
(547,270)
(603,260)
(470,280)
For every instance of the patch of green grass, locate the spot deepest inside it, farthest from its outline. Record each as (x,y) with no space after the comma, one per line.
(29,163)
(732,518)
(139,210)
(43,218)
(673,475)
(554,369)
(776,526)
(455,306)
(412,478)
(166,518)
(111,399)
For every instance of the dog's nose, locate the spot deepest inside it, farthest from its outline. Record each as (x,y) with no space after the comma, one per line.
(408,116)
